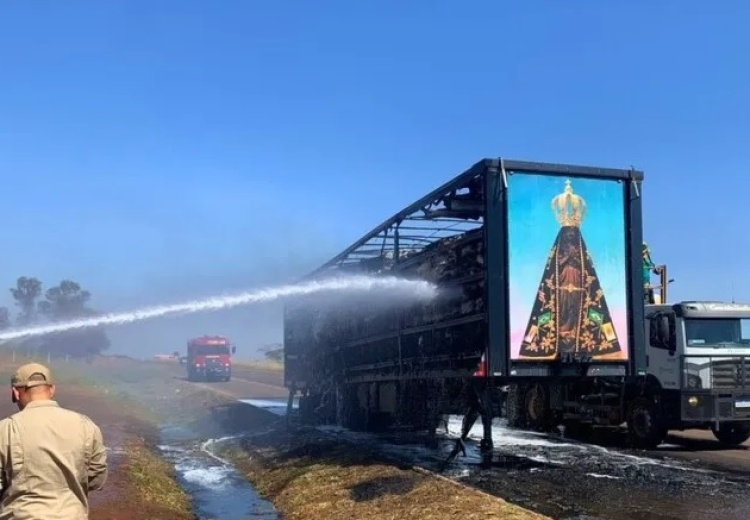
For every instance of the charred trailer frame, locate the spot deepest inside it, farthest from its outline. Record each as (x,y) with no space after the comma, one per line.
(369,366)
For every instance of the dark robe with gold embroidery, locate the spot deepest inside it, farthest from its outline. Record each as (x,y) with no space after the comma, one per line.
(570,314)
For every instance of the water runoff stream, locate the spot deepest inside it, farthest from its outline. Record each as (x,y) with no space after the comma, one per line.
(218,490)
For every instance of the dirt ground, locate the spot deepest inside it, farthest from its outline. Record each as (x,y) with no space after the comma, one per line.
(140,485)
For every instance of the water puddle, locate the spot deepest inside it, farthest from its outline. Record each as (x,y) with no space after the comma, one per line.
(218,490)
(275,406)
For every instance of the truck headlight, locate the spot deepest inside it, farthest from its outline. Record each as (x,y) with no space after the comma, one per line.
(694,382)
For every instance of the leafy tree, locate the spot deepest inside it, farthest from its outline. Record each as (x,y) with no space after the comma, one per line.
(68,301)
(65,301)
(26,293)
(4,318)
(274,352)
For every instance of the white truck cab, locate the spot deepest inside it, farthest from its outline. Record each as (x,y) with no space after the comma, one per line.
(699,357)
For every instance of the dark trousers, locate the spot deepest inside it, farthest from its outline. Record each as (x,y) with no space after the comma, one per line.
(648,293)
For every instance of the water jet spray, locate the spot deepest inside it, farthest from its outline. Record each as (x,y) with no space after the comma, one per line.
(388,285)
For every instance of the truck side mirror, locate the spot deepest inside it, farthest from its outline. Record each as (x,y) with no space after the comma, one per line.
(234,349)
(664,334)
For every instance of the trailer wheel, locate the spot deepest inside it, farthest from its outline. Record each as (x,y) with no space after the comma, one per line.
(537,407)
(645,428)
(732,434)
(514,409)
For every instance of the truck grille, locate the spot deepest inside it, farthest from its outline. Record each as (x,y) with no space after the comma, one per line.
(730,373)
(214,364)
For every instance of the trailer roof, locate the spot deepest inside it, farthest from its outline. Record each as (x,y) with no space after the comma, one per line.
(432,218)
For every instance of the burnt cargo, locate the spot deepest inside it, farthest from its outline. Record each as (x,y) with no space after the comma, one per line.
(541,264)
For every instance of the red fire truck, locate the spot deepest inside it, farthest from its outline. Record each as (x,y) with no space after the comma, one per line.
(209,358)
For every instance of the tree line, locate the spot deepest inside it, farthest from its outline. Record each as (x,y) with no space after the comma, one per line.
(62,302)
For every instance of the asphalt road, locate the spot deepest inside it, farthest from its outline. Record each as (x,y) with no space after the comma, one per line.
(246,383)
(701,446)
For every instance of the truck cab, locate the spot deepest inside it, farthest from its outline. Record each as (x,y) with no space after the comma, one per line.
(209,359)
(698,355)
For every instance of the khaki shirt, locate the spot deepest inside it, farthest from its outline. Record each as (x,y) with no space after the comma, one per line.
(50,458)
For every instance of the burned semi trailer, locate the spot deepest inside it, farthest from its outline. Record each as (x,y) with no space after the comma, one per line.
(539,267)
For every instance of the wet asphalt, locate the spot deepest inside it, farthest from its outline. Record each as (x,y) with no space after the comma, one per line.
(584,482)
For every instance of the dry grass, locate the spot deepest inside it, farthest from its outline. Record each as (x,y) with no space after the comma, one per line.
(153,481)
(344,485)
(260,364)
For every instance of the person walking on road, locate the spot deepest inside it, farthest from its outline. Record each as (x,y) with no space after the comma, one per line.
(50,457)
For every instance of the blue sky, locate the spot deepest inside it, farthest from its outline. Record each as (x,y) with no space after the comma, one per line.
(533,229)
(160,150)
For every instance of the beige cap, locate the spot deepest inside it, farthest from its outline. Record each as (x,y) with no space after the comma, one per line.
(32,374)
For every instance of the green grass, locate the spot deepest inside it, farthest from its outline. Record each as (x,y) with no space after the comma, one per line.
(154,482)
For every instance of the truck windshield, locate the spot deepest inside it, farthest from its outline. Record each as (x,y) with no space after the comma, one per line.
(718,332)
(210,350)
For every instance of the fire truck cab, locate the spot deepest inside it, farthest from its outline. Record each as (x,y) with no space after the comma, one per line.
(209,358)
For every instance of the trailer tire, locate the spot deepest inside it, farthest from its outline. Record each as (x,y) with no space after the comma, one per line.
(645,426)
(732,434)
(514,412)
(537,408)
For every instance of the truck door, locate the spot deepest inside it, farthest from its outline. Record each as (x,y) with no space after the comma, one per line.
(663,357)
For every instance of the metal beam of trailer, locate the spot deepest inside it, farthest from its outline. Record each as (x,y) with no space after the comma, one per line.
(475,172)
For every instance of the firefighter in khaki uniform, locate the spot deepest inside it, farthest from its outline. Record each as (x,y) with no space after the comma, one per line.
(50,457)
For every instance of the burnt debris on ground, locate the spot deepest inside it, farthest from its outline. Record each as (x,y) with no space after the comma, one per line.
(310,475)
(562,478)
